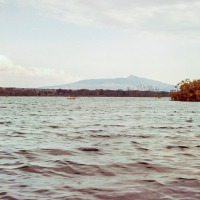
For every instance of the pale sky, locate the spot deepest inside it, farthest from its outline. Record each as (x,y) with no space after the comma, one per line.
(54,42)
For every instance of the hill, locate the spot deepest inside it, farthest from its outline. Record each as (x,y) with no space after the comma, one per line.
(131,83)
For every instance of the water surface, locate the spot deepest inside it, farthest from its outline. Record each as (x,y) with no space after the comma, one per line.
(99,148)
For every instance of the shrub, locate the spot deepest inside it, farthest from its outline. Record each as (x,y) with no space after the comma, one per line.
(187,91)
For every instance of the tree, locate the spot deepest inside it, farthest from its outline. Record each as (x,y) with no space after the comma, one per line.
(187,91)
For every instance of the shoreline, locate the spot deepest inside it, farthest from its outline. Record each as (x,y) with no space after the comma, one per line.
(80,92)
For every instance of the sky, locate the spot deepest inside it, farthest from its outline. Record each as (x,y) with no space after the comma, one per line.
(54,42)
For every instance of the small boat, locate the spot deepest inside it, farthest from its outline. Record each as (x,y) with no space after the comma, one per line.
(71,97)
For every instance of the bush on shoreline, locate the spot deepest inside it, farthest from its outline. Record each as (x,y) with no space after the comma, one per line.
(187,91)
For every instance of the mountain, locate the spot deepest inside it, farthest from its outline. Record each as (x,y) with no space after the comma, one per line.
(131,82)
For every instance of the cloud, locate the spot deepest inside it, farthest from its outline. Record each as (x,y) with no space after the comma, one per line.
(146,15)
(13,75)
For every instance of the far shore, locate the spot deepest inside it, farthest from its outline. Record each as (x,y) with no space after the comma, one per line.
(81,92)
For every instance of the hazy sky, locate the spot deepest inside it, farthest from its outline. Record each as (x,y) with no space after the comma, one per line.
(52,42)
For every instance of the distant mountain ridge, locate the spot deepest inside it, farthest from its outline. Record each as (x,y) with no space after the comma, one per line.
(130,82)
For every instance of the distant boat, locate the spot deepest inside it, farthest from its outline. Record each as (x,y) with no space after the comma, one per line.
(71,97)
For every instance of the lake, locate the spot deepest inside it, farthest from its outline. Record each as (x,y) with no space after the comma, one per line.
(99,148)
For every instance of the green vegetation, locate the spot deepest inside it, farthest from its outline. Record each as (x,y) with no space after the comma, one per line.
(187,91)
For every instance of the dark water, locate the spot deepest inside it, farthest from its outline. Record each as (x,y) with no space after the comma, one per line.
(99,148)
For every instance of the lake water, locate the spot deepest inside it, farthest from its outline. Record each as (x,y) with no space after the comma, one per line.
(99,148)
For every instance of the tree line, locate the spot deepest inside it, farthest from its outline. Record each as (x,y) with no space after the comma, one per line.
(80,93)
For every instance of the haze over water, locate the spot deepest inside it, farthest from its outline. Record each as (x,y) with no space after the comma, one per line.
(99,148)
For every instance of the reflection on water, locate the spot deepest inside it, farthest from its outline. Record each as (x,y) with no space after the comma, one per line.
(99,148)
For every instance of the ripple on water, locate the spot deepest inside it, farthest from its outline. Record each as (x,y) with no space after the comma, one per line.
(99,148)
